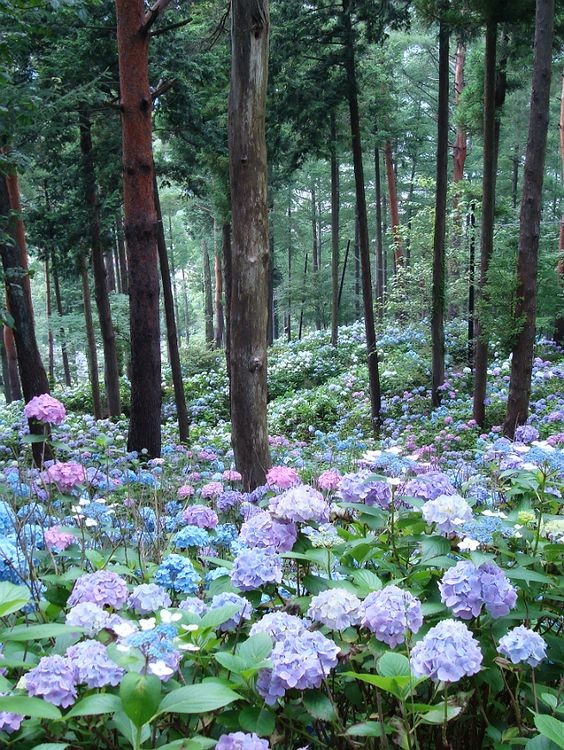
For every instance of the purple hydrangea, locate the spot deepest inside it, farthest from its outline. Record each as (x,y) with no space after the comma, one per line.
(262,530)
(241,741)
(92,665)
(465,589)
(364,487)
(300,662)
(45,409)
(104,588)
(194,605)
(66,475)
(447,653)
(88,616)
(428,486)
(526,434)
(279,625)
(389,613)
(200,515)
(300,504)
(336,608)
(449,512)
(148,597)
(244,612)
(523,645)
(10,722)
(252,568)
(52,679)
(498,594)
(229,499)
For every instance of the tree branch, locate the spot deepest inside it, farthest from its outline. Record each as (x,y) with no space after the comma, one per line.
(152,14)
(162,87)
(170,27)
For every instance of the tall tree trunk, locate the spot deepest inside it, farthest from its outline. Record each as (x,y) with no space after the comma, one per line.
(304,296)
(12,364)
(379,237)
(173,277)
(439,237)
(5,373)
(49,310)
(356,268)
(335,197)
(92,354)
(529,221)
(208,294)
(111,367)
(460,148)
(248,178)
(122,255)
(140,225)
(59,303)
(13,250)
(394,207)
(186,304)
(315,241)
(226,252)
(515,175)
(171,335)
(409,212)
(487,227)
(559,322)
(471,224)
(219,315)
(289,302)
(364,243)
(115,261)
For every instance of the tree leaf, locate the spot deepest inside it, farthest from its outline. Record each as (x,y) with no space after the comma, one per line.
(197,699)
(391,664)
(140,695)
(94,705)
(12,598)
(551,728)
(27,706)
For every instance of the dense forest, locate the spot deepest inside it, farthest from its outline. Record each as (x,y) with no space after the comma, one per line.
(280,365)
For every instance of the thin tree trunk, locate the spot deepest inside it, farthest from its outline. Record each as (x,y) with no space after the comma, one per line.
(208,295)
(12,364)
(289,319)
(140,224)
(379,237)
(356,269)
(315,239)
(219,315)
(115,255)
(173,277)
(5,373)
(334,234)
(394,208)
(111,367)
(515,175)
(248,179)
(559,322)
(439,237)
(226,251)
(460,148)
(364,243)
(186,304)
(487,227)
(304,295)
(109,264)
(471,224)
(171,335)
(122,255)
(50,346)
(409,212)
(92,355)
(59,303)
(529,222)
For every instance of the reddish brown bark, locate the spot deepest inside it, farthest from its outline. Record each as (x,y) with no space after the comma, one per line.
(559,324)
(140,224)
(460,144)
(394,208)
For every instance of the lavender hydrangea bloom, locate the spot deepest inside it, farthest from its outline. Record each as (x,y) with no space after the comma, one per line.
(45,409)
(428,486)
(262,530)
(200,515)
(449,512)
(104,588)
(194,605)
(279,625)
(363,486)
(300,662)
(523,645)
(497,592)
(465,589)
(526,434)
(148,597)
(389,613)
(336,608)
(229,499)
(302,503)
(10,722)
(241,741)
(244,613)
(88,616)
(253,568)
(92,665)
(52,679)
(447,653)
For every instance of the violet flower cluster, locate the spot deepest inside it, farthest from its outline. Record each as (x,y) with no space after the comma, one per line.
(447,653)
(262,530)
(45,409)
(300,504)
(522,645)
(66,476)
(200,515)
(253,568)
(465,589)
(448,512)
(389,613)
(104,587)
(336,608)
(365,487)
(241,741)
(148,597)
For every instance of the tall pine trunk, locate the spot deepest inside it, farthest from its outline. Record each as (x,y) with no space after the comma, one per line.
(12,364)
(315,243)
(219,335)
(122,256)
(335,197)
(559,323)
(460,148)
(208,294)
(379,237)
(249,268)
(529,222)
(394,207)
(439,237)
(226,252)
(49,311)
(59,303)
(91,353)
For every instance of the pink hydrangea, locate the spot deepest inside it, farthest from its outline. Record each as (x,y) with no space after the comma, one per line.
(45,409)
(66,475)
(229,475)
(329,480)
(56,539)
(282,477)
(185,491)
(212,489)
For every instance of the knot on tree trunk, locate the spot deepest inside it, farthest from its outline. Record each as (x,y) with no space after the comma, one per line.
(255,364)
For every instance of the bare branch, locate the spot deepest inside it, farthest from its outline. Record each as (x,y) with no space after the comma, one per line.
(152,14)
(170,27)
(162,87)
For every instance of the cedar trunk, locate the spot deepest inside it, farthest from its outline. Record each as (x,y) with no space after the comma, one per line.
(379,238)
(92,355)
(208,294)
(219,335)
(559,323)
(226,251)
(394,208)
(334,235)
(249,293)
(12,364)
(50,344)
(529,221)
(460,148)
(140,225)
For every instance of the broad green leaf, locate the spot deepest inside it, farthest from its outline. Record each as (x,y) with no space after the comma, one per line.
(255,649)
(391,664)
(551,728)
(318,705)
(218,616)
(37,632)
(27,706)
(258,720)
(197,699)
(94,705)
(195,743)
(12,598)
(437,715)
(28,439)
(367,729)
(230,661)
(529,576)
(540,743)
(126,727)
(51,746)
(367,581)
(140,695)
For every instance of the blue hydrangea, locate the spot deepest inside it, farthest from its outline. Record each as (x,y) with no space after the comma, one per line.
(225,533)
(523,645)
(254,568)
(241,741)
(53,679)
(177,574)
(148,597)
(465,589)
(92,666)
(158,648)
(389,613)
(229,499)
(244,612)
(336,608)
(278,625)
(262,530)
(191,536)
(447,653)
(13,565)
(448,512)
(194,605)
(7,519)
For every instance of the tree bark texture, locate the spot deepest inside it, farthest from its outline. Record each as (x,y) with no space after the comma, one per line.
(208,294)
(50,343)
(111,367)
(249,292)
(394,207)
(334,234)
(315,241)
(59,303)
(439,236)
(92,354)
(362,219)
(460,144)
(12,364)
(219,334)
(5,373)
(226,252)
(559,323)
(379,237)
(529,221)
(140,227)
(122,255)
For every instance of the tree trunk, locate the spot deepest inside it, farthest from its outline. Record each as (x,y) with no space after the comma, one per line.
(115,255)
(59,303)
(248,178)
(111,367)
(219,315)
(173,278)
(110,272)
(208,294)
(6,387)
(487,228)
(362,215)
(394,208)
(439,236)
(289,318)
(122,255)
(140,227)
(471,224)
(50,346)
(304,296)
(226,251)
(171,335)
(529,221)
(379,238)
(315,239)
(559,323)
(460,148)
(13,250)
(334,234)
(356,268)
(92,354)
(12,364)
(186,304)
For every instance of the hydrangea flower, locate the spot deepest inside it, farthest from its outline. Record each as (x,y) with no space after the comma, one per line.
(200,515)
(104,587)
(282,477)
(56,539)
(185,491)
(262,530)
(53,680)
(10,722)
(194,605)
(523,645)
(191,536)
(336,608)
(229,499)
(298,661)
(526,434)
(241,741)
(428,486)
(66,475)
(465,589)
(92,666)
(329,479)
(497,592)
(211,490)
(447,653)
(244,613)
(158,648)
(300,504)
(253,568)
(178,574)
(225,533)
(148,597)
(448,512)
(230,475)
(45,409)
(389,613)
(363,486)
(278,625)
(88,616)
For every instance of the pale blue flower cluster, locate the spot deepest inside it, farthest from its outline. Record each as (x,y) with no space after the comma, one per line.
(191,536)
(389,613)
(253,568)
(336,608)
(241,741)
(448,512)
(300,504)
(262,530)
(177,574)
(447,653)
(244,612)
(523,645)
(148,597)
(465,589)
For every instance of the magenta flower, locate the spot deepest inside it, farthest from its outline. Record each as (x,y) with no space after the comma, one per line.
(66,475)
(329,480)
(211,490)
(45,409)
(282,477)
(56,539)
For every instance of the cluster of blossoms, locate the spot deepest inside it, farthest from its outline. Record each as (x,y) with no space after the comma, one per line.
(241,741)
(448,512)
(243,613)
(428,486)
(389,613)
(200,515)
(148,597)
(330,479)
(300,504)
(447,653)
(465,589)
(104,588)
(336,608)
(262,530)
(523,645)
(191,536)
(157,646)
(178,574)
(253,568)
(45,409)
(66,476)
(56,539)
(366,487)
(282,477)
